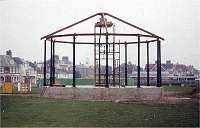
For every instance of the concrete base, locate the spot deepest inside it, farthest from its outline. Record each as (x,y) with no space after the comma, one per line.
(98,93)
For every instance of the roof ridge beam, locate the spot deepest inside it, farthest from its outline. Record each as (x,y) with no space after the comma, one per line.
(133,25)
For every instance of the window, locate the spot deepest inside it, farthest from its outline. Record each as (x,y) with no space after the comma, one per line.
(11,69)
(17,69)
(14,70)
(6,70)
(2,78)
(1,69)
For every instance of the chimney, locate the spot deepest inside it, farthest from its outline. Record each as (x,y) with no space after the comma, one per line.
(9,53)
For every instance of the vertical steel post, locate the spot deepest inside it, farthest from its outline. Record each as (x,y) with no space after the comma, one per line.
(126,83)
(100,57)
(148,64)
(95,54)
(138,73)
(113,82)
(158,63)
(119,66)
(106,61)
(53,73)
(74,66)
(51,63)
(44,70)
(114,61)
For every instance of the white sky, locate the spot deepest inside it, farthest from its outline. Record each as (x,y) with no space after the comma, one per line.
(24,22)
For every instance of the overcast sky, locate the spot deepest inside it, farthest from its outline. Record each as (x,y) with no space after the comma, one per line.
(24,22)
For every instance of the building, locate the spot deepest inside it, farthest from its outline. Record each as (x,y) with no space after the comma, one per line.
(8,66)
(171,74)
(85,70)
(17,68)
(62,68)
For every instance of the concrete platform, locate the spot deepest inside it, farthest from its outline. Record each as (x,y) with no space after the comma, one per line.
(130,93)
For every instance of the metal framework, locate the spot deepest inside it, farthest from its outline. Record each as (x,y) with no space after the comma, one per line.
(104,51)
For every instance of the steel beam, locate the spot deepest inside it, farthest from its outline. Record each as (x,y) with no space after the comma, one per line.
(119,66)
(123,21)
(126,83)
(107,82)
(102,14)
(95,57)
(114,61)
(104,34)
(53,73)
(138,74)
(44,70)
(74,63)
(159,80)
(99,57)
(70,26)
(141,42)
(148,64)
(51,63)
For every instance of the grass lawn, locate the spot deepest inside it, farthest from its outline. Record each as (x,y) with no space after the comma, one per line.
(34,111)
(178,90)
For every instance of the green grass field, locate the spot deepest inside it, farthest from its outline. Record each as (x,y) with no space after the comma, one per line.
(178,90)
(34,111)
(24,111)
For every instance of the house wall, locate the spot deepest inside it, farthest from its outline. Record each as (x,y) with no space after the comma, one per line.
(14,73)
